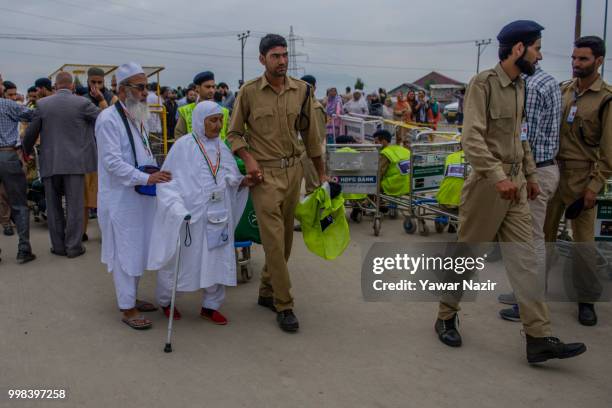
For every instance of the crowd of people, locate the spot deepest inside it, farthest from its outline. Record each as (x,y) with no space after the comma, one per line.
(94,150)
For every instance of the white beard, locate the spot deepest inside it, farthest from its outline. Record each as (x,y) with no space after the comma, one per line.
(137,110)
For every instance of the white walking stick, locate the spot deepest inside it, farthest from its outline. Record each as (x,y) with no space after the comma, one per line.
(168,347)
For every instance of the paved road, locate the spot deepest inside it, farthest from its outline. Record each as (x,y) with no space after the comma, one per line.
(60,329)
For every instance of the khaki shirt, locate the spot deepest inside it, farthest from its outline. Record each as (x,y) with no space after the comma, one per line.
(265,121)
(493,113)
(595,131)
(181,128)
(321,119)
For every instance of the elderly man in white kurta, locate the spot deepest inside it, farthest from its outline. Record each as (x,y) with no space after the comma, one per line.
(207,186)
(125,216)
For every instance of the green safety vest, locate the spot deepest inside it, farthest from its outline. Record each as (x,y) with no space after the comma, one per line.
(450,188)
(349,196)
(186,113)
(396,181)
(316,211)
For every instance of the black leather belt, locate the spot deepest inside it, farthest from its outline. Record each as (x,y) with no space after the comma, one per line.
(546,163)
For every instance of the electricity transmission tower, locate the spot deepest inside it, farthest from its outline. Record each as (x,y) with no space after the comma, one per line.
(294,70)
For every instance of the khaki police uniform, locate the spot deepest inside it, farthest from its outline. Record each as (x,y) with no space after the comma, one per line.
(311,177)
(491,139)
(265,122)
(585,155)
(585,161)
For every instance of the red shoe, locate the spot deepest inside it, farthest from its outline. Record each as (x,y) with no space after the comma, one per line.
(214,316)
(166,310)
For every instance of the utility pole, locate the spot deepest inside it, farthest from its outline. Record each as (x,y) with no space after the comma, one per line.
(603,66)
(578,19)
(479,44)
(242,37)
(293,54)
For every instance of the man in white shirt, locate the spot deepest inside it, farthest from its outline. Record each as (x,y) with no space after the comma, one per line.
(356,105)
(125,216)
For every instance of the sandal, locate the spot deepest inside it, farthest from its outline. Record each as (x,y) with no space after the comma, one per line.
(145,307)
(137,322)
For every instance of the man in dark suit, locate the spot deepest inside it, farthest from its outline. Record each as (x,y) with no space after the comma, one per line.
(65,123)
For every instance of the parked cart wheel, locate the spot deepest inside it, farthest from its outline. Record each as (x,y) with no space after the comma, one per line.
(245,273)
(356,215)
(392,213)
(440,227)
(377,226)
(409,225)
(423,228)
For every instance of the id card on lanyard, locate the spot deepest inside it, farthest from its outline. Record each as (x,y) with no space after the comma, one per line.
(571,116)
(214,168)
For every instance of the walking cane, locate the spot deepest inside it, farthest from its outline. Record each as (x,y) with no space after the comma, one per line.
(168,347)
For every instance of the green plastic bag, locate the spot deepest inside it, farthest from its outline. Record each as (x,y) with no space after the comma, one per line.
(247,228)
(324,226)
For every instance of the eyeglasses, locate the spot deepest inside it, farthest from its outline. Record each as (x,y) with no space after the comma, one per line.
(140,87)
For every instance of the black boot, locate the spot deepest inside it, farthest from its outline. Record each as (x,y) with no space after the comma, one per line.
(448,332)
(287,321)
(540,349)
(586,314)
(266,302)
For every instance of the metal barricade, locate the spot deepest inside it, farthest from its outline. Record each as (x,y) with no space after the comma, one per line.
(360,127)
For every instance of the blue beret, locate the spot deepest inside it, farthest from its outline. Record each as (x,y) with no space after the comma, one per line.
(519,31)
(309,79)
(43,83)
(203,77)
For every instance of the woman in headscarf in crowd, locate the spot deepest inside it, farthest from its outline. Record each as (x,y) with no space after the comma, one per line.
(333,107)
(387,110)
(412,102)
(206,185)
(402,111)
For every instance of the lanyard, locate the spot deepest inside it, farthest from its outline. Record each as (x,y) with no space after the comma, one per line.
(141,131)
(214,169)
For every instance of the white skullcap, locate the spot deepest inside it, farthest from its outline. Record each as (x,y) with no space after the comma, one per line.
(128,70)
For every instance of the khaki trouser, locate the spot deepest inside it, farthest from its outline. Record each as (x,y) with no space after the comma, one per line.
(275,200)
(91,196)
(548,179)
(572,183)
(485,216)
(5,208)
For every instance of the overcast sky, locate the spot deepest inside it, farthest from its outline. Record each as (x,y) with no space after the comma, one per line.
(334,63)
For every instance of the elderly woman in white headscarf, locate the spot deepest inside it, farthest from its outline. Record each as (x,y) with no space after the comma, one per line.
(207,186)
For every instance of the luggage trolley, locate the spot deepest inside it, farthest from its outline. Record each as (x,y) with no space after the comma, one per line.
(357,172)
(360,127)
(428,152)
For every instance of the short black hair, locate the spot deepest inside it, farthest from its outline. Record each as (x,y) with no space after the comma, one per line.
(382,134)
(218,97)
(191,87)
(222,85)
(164,89)
(32,89)
(153,86)
(9,85)
(348,89)
(596,44)
(504,51)
(270,41)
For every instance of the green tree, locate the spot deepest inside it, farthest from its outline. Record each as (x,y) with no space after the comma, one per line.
(359,84)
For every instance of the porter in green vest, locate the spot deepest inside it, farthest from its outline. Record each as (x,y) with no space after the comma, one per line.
(394,165)
(205,86)
(454,175)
